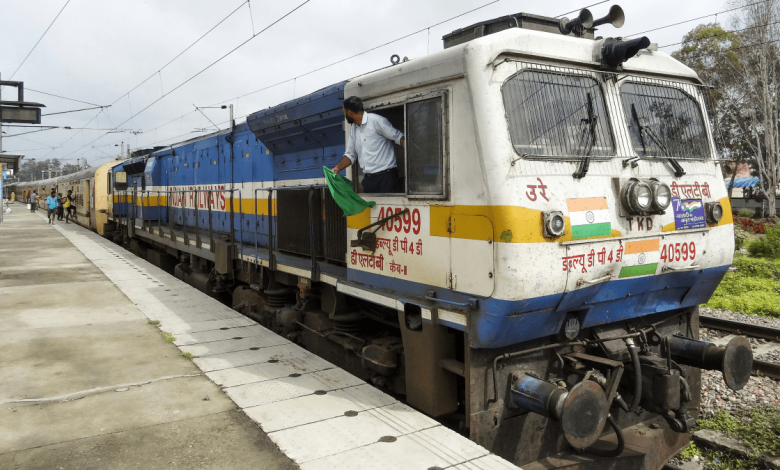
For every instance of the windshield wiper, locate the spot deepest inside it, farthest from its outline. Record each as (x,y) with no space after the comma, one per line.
(582,169)
(678,169)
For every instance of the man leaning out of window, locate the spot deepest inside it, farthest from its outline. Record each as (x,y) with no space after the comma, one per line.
(371,139)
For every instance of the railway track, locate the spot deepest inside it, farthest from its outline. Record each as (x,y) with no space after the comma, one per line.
(760,368)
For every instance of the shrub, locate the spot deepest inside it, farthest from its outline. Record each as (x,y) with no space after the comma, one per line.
(768,246)
(753,289)
(740,237)
(746,213)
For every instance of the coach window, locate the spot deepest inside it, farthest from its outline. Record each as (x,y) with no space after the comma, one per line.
(108,180)
(421,164)
(557,114)
(664,121)
(120,181)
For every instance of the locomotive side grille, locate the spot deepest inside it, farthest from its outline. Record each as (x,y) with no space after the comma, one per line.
(335,229)
(293,230)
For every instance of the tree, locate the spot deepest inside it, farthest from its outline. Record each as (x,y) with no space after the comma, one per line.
(712,53)
(32,170)
(742,66)
(69,168)
(759,71)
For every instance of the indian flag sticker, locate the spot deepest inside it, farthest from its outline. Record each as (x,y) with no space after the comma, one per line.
(641,258)
(589,217)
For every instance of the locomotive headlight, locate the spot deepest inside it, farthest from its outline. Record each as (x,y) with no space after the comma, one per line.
(553,225)
(662,195)
(714,212)
(637,197)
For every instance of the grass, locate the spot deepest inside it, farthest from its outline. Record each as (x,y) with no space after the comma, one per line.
(187,355)
(754,288)
(154,322)
(168,337)
(745,213)
(689,452)
(758,431)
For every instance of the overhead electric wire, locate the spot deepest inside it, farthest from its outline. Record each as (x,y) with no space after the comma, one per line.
(579,9)
(39,40)
(157,72)
(736,48)
(720,34)
(320,68)
(182,52)
(694,19)
(203,70)
(358,54)
(63,97)
(74,111)
(314,70)
(217,61)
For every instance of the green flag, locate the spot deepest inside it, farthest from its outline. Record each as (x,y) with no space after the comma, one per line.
(345,197)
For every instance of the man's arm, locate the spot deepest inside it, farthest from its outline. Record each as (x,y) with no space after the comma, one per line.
(344,163)
(389,132)
(349,156)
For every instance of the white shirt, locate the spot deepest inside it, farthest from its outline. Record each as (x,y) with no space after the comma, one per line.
(371,143)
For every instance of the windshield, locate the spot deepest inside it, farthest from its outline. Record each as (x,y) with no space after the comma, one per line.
(557,115)
(664,121)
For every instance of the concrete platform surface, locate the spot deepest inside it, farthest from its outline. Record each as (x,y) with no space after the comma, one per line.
(89,383)
(92,378)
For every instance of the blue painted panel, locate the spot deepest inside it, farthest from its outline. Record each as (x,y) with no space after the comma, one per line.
(500,323)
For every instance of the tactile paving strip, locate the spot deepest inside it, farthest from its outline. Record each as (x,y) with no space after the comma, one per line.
(321,416)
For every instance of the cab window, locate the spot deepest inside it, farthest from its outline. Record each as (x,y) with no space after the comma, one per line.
(557,114)
(120,180)
(421,164)
(664,121)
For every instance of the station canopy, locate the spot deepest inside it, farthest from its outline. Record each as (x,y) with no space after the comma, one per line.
(10,162)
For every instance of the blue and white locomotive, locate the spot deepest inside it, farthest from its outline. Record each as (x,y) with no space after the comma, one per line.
(537,281)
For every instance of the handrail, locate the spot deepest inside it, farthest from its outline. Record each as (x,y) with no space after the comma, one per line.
(183,206)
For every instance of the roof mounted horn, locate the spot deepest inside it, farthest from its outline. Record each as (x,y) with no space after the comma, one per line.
(616,18)
(583,21)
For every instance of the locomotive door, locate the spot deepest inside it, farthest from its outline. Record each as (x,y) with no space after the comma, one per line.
(472,260)
(131,212)
(89,204)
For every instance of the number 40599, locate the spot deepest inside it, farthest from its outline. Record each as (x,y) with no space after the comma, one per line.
(678,251)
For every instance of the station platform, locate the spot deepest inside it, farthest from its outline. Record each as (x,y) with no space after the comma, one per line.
(91,380)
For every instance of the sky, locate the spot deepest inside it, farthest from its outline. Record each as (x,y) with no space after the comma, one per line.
(127,55)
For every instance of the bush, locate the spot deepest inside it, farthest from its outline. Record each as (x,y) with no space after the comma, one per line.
(740,237)
(768,246)
(746,213)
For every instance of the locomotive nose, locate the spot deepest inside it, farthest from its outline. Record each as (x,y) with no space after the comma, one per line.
(735,360)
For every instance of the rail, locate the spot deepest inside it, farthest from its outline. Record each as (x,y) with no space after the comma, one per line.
(740,328)
(760,368)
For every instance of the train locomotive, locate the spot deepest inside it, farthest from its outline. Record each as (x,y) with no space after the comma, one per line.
(536,284)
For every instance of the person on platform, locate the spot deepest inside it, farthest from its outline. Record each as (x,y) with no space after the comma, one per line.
(70,207)
(51,204)
(60,206)
(371,139)
(32,198)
